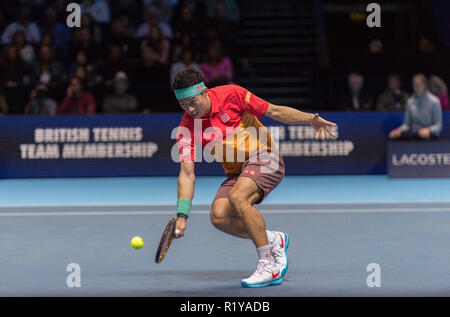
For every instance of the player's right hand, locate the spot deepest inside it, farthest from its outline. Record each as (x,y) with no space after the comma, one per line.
(180,227)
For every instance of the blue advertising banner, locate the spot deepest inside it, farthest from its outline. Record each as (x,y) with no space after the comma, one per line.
(419,159)
(141,145)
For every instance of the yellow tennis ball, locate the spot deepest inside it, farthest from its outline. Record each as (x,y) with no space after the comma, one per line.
(137,242)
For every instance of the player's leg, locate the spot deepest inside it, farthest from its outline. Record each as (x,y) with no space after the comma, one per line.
(223,216)
(226,219)
(241,198)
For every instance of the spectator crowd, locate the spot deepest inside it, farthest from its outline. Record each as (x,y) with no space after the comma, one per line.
(126,53)
(423,107)
(395,97)
(121,59)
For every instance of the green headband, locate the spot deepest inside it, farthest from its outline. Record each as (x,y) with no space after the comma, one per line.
(190,91)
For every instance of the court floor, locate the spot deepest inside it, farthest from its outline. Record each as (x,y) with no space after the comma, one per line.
(332,243)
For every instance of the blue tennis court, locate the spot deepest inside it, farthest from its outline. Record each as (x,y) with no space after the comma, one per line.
(338,225)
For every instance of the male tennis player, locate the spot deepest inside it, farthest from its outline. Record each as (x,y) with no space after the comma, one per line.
(224,119)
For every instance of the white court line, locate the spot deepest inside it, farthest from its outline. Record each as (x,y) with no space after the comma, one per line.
(268,211)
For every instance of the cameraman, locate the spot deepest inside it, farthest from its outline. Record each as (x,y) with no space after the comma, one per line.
(40,102)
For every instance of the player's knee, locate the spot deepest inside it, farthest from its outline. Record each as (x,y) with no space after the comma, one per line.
(217,217)
(237,200)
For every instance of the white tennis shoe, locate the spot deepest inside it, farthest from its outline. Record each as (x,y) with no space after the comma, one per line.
(278,249)
(267,273)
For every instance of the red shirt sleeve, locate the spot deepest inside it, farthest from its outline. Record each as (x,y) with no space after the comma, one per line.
(251,103)
(64,108)
(90,104)
(185,139)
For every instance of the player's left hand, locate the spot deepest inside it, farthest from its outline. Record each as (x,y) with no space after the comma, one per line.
(322,125)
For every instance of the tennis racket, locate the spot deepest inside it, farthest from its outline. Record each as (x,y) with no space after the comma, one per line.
(166,240)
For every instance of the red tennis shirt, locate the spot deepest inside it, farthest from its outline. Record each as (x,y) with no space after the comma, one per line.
(231,132)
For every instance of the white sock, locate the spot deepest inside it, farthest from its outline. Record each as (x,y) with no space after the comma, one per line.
(264,253)
(271,236)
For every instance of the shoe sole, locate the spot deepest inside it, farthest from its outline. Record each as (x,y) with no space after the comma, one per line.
(286,237)
(278,281)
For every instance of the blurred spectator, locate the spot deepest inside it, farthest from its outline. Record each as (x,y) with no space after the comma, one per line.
(231,8)
(48,40)
(189,14)
(120,35)
(14,78)
(160,45)
(185,43)
(97,10)
(152,20)
(114,63)
(184,63)
(209,35)
(151,81)
(376,46)
(82,64)
(77,101)
(40,102)
(164,7)
(131,9)
(120,101)
(47,70)
(423,116)
(3,105)
(225,31)
(393,99)
(217,68)
(186,24)
(439,89)
(425,45)
(59,31)
(96,29)
(356,98)
(20,43)
(82,40)
(59,7)
(23,24)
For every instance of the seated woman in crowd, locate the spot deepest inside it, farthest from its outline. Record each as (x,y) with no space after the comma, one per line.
(217,68)
(78,101)
(25,50)
(160,45)
(185,62)
(439,89)
(14,79)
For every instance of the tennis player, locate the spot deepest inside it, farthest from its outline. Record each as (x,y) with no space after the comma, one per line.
(224,120)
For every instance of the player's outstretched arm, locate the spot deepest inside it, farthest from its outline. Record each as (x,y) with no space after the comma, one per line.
(290,115)
(185,192)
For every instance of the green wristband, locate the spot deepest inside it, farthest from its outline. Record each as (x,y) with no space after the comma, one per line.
(184,207)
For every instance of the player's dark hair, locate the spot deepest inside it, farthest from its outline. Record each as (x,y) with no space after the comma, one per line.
(187,78)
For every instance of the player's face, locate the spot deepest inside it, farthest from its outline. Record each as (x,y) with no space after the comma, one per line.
(197,106)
